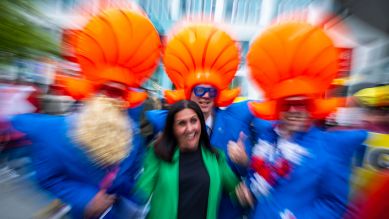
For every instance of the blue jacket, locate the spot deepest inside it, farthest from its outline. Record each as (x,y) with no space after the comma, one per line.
(228,123)
(343,144)
(319,186)
(63,168)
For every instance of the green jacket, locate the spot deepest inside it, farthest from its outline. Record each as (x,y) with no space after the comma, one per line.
(160,179)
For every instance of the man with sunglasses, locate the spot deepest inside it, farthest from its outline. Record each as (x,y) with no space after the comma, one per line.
(204,96)
(202,73)
(294,112)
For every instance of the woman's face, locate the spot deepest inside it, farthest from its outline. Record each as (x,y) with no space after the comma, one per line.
(187,129)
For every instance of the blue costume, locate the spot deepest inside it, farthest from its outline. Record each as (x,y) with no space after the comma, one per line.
(113,70)
(345,145)
(228,123)
(298,172)
(318,185)
(65,170)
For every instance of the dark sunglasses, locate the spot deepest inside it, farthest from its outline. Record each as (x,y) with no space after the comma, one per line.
(285,105)
(200,91)
(112,92)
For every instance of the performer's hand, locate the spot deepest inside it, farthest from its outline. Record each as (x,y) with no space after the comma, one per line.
(101,202)
(286,214)
(244,196)
(237,152)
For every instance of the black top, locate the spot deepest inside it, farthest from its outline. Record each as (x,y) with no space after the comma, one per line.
(193,186)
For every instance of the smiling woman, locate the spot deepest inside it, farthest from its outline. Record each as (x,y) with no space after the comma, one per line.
(183,172)
(184,130)
(187,129)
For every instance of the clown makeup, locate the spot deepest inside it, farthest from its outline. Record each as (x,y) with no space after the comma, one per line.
(204,95)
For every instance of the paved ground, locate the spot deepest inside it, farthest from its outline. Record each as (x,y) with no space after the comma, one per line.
(20,197)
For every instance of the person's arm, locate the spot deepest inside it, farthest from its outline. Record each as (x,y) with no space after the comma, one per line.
(51,174)
(333,194)
(334,185)
(229,179)
(129,169)
(345,143)
(157,120)
(240,151)
(146,183)
(53,178)
(237,152)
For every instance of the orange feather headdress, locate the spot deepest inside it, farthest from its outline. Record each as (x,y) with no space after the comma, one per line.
(201,54)
(293,59)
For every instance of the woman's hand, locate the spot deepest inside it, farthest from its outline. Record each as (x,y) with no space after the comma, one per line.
(244,195)
(100,203)
(237,152)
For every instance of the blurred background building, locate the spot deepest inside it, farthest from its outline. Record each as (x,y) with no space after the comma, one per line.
(359,30)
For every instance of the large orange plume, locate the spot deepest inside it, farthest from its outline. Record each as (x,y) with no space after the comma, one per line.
(201,54)
(293,59)
(120,46)
(77,88)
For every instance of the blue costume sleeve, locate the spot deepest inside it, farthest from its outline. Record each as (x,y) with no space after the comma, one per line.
(228,123)
(135,113)
(31,124)
(50,177)
(240,110)
(263,129)
(158,119)
(129,170)
(131,166)
(333,194)
(49,170)
(344,144)
(334,188)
